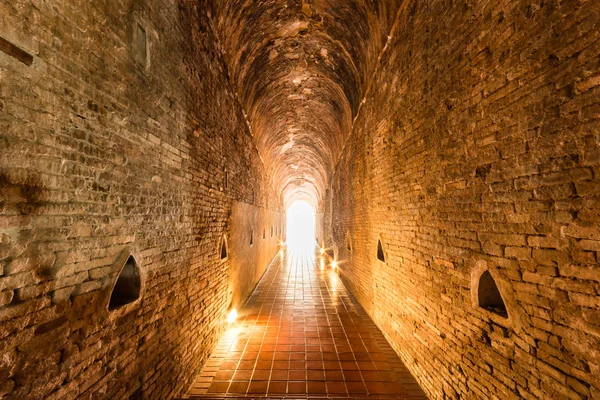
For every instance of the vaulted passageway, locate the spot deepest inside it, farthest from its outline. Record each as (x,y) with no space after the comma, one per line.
(301,69)
(448,152)
(301,333)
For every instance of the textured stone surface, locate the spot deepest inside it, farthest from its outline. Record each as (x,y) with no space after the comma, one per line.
(462,134)
(479,144)
(255,235)
(111,145)
(299,69)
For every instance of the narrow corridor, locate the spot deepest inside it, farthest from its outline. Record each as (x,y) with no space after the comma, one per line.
(300,333)
(154,155)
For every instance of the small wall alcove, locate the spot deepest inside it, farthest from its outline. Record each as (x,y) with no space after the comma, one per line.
(493,295)
(381,255)
(223,248)
(348,242)
(489,297)
(128,286)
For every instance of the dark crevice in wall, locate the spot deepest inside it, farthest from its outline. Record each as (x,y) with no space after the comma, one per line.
(127,286)
(489,296)
(380,252)
(15,52)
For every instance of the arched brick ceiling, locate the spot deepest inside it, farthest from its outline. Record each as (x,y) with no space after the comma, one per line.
(300,69)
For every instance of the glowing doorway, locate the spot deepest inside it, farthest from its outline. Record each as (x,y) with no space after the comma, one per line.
(300,233)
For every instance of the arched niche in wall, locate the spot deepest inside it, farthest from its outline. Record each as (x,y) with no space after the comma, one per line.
(127,287)
(348,242)
(380,250)
(489,297)
(493,296)
(223,249)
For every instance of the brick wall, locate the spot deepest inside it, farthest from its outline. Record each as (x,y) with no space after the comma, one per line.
(478,147)
(112,144)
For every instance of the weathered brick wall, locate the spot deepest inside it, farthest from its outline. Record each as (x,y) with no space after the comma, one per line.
(479,145)
(102,153)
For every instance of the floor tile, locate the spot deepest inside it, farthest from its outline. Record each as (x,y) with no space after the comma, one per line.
(302,333)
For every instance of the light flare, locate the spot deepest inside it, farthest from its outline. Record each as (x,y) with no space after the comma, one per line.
(232,316)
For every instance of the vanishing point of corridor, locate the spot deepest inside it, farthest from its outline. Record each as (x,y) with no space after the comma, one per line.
(300,333)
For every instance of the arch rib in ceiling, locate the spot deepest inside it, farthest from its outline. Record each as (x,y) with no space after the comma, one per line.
(300,68)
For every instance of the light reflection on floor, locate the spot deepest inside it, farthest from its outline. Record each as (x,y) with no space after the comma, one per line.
(302,333)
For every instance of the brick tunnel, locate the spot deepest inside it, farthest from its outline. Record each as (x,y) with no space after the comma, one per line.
(300,199)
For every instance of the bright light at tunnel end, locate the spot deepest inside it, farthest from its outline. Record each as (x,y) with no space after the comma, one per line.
(301,224)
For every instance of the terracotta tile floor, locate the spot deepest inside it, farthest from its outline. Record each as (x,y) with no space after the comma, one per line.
(301,334)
